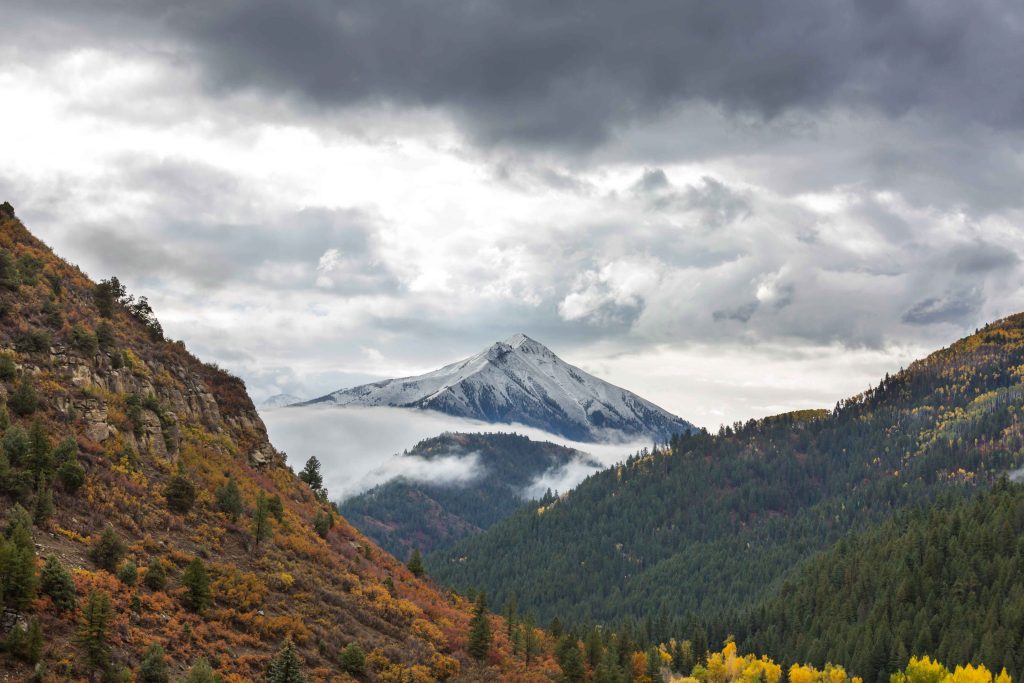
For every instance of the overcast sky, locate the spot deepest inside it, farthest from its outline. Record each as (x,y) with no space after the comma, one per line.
(731,208)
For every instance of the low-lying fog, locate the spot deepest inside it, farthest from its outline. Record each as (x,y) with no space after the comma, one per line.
(357,446)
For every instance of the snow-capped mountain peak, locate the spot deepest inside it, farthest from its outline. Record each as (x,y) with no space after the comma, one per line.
(280,401)
(520,380)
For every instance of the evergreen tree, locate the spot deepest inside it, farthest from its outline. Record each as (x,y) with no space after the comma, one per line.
(415,564)
(71,474)
(570,659)
(531,643)
(42,509)
(18,580)
(26,641)
(353,660)
(322,523)
(93,636)
(511,612)
(128,573)
(261,529)
(16,446)
(40,451)
(156,577)
(479,644)
(105,336)
(154,666)
(311,474)
(229,499)
(8,370)
(55,581)
(180,493)
(594,648)
(197,584)
(107,294)
(23,401)
(286,666)
(19,528)
(108,550)
(276,508)
(202,672)
(32,652)
(654,664)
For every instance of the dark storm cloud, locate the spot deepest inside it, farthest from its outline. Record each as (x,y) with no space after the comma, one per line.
(954,307)
(567,73)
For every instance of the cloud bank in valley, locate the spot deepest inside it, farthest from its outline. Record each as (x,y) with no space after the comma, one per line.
(359,447)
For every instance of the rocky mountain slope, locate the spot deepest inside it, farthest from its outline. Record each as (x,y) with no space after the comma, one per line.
(521,381)
(167,520)
(406,514)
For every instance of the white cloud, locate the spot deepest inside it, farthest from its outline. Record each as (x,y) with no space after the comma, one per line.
(357,446)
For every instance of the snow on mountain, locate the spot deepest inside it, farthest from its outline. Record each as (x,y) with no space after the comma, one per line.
(280,401)
(520,380)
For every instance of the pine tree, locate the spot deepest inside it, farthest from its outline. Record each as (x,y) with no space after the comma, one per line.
(42,509)
(105,336)
(18,580)
(108,550)
(128,573)
(531,643)
(32,651)
(556,627)
(511,614)
(23,400)
(276,508)
(571,660)
(261,530)
(40,451)
(202,672)
(322,524)
(55,581)
(229,499)
(19,528)
(93,635)
(353,660)
(415,563)
(286,666)
(479,644)
(197,584)
(595,648)
(26,641)
(180,493)
(71,474)
(16,446)
(654,664)
(156,577)
(311,474)
(154,666)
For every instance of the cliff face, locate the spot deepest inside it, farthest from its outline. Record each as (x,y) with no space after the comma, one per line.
(86,376)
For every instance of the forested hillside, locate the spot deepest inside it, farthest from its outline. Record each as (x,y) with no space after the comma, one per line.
(404,515)
(709,524)
(947,581)
(149,530)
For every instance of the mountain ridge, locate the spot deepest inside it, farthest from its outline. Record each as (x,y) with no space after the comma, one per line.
(404,514)
(519,380)
(712,522)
